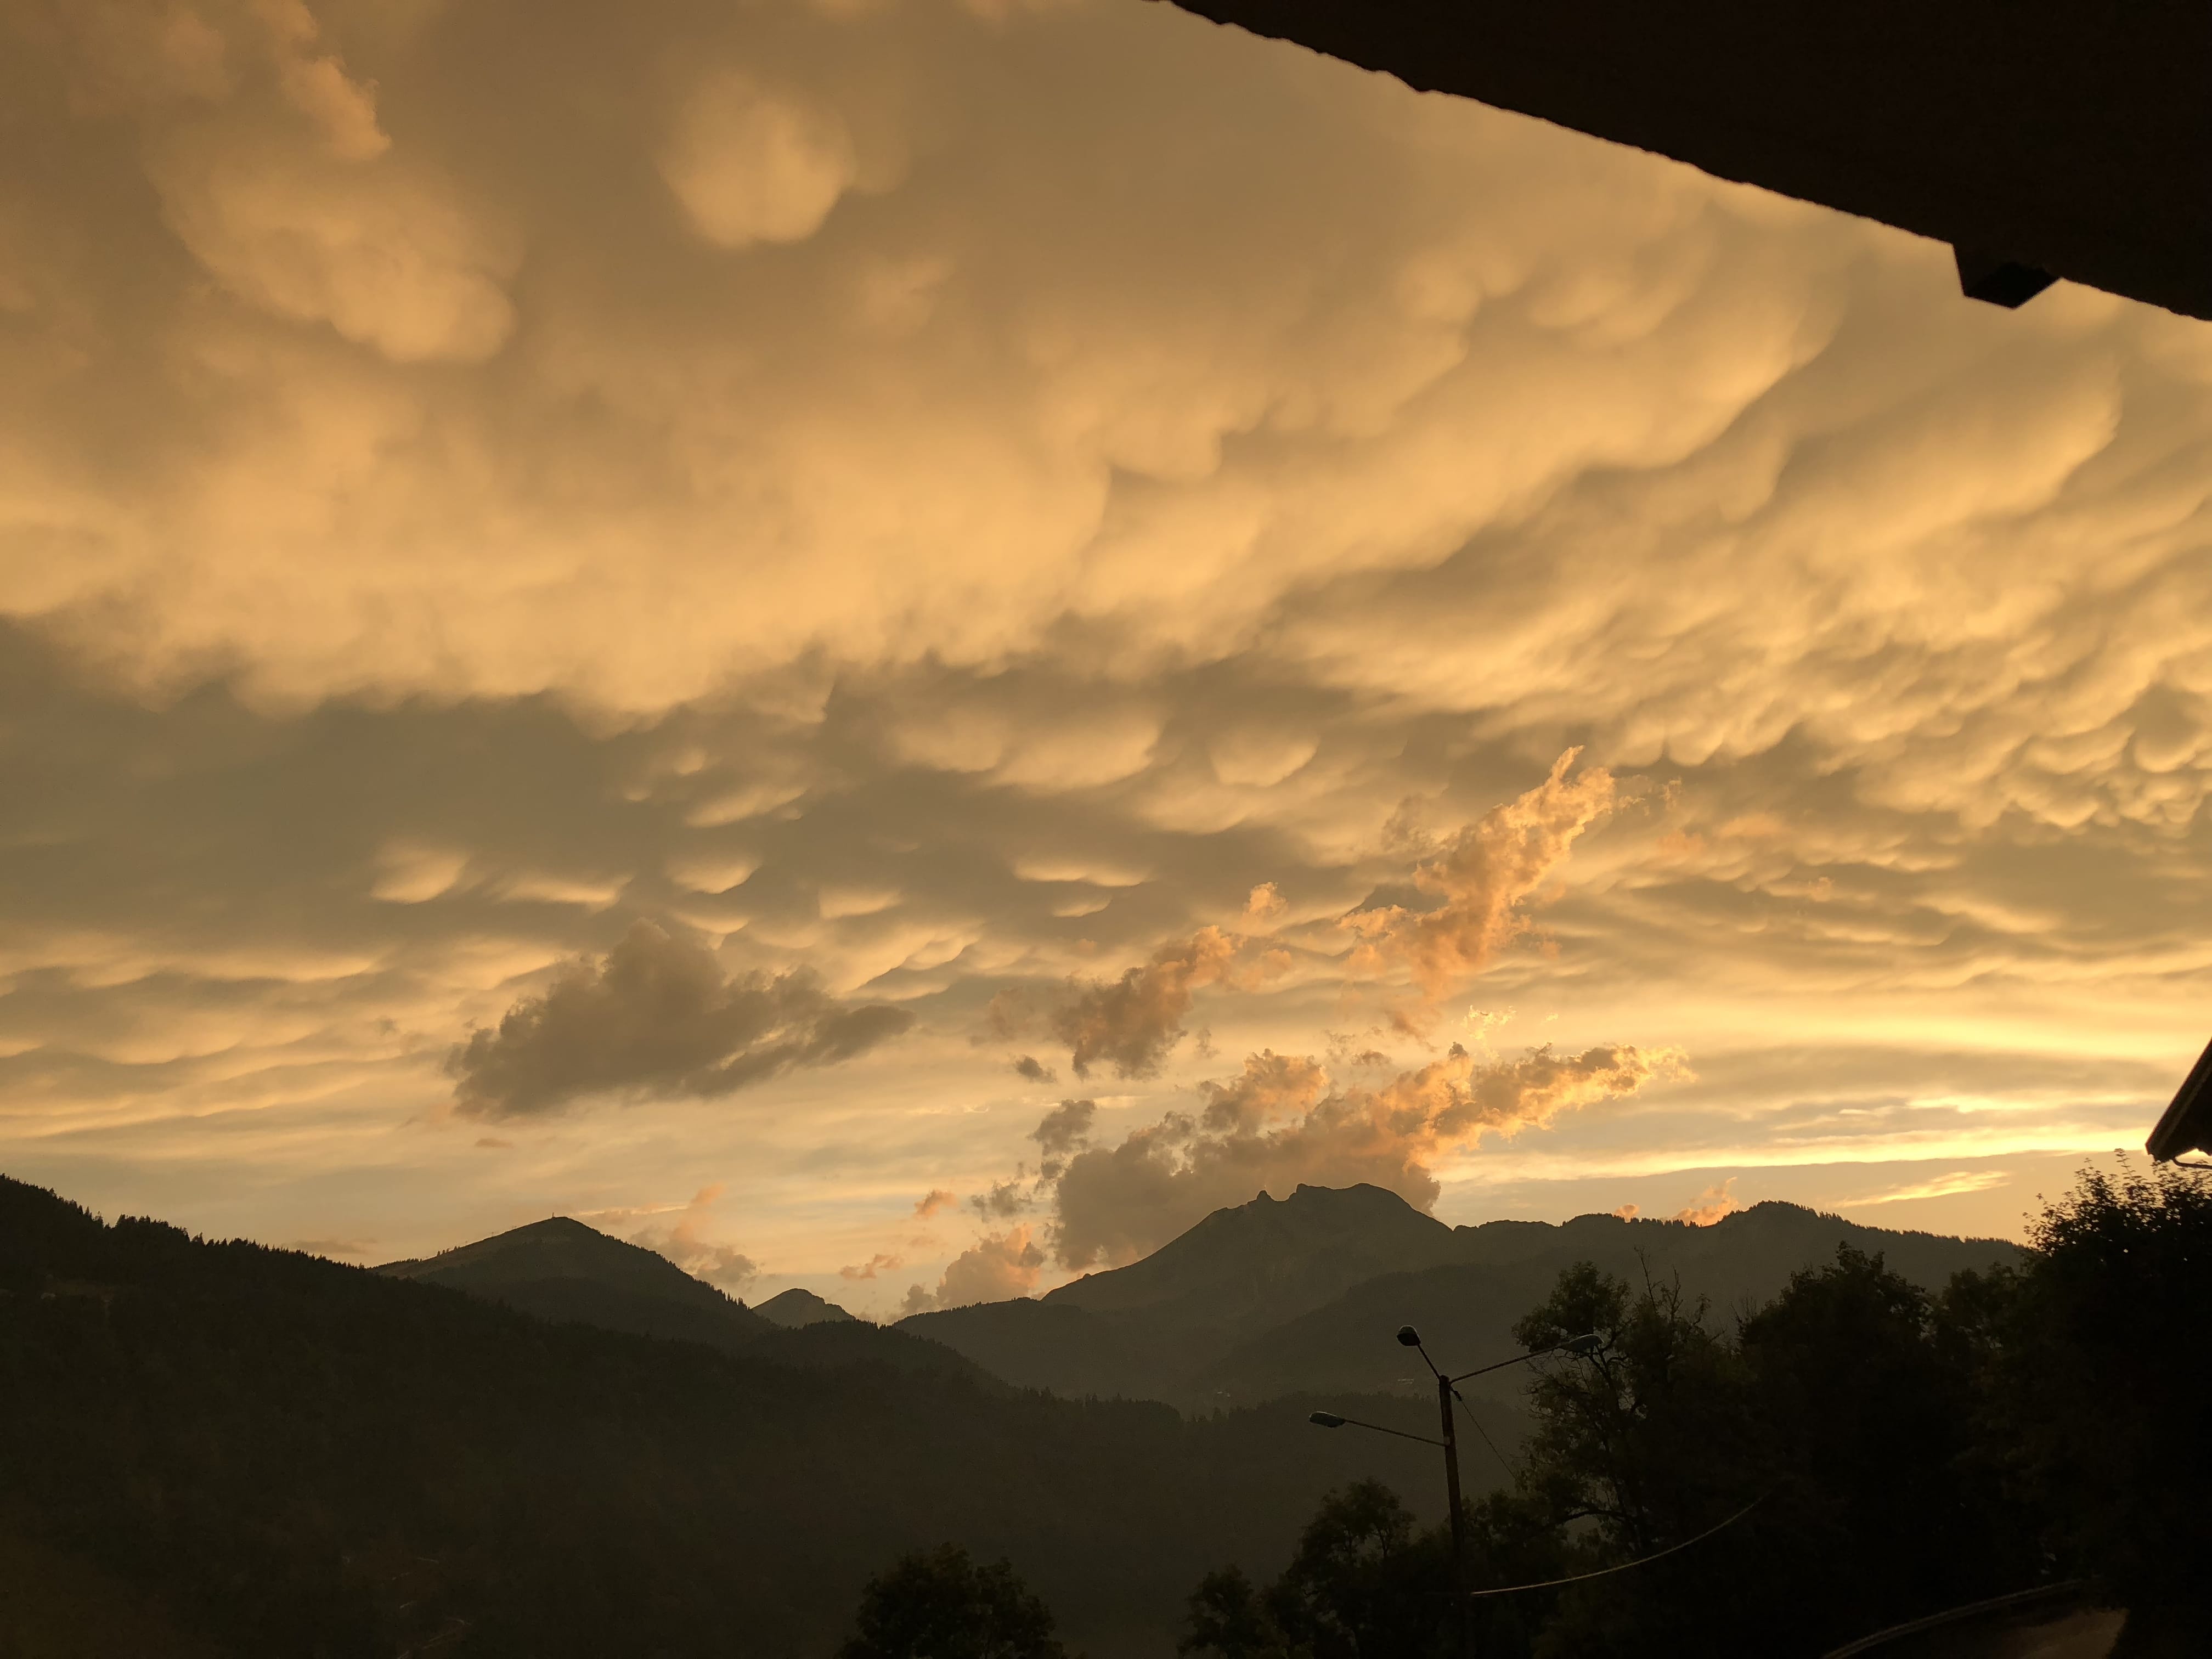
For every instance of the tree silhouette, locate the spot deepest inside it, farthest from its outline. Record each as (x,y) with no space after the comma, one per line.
(1228,1617)
(1363,1584)
(2098,1387)
(1647,1438)
(938,1604)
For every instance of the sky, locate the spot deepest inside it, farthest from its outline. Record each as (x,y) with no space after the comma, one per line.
(897,645)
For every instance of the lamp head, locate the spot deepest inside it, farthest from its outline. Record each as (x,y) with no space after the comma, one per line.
(1326,1419)
(1587,1343)
(1409,1336)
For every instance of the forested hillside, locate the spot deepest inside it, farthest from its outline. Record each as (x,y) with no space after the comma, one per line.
(293,1456)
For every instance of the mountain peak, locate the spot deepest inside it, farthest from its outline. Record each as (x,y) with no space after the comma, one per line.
(559,1243)
(1361,1195)
(795,1308)
(560,1268)
(1270,1257)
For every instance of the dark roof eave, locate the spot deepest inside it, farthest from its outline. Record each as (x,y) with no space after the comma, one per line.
(2186,1126)
(2072,139)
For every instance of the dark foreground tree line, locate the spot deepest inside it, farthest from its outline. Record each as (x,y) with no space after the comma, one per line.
(1854,1454)
(1889,1454)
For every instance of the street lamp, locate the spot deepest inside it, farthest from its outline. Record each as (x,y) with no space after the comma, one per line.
(1589,1343)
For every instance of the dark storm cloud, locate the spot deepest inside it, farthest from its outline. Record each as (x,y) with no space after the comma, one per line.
(1065,1128)
(1129,1023)
(1004,1199)
(657,1017)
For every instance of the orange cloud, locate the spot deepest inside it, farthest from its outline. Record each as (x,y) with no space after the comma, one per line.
(1266,905)
(1483,875)
(1710,1205)
(1280,1123)
(998,1267)
(684,1242)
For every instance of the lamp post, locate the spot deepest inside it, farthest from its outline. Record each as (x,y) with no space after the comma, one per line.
(1589,1343)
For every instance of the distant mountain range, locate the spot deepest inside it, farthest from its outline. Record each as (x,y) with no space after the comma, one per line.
(1281,1297)
(1302,1295)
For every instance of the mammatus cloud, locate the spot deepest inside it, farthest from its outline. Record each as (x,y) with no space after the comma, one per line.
(1358,469)
(272,166)
(656,1016)
(1482,875)
(996,1268)
(1280,1122)
(751,164)
(682,1242)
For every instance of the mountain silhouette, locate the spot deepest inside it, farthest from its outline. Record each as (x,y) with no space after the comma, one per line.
(1148,1329)
(1263,1263)
(796,1308)
(560,1269)
(219,1448)
(1467,1308)
(1303,1294)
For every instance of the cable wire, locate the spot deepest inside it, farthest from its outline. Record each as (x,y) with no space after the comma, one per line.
(1642,1561)
(1475,1423)
(1402,1434)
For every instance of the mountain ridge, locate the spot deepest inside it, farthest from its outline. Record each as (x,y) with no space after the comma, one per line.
(1256,1301)
(563,1270)
(1467,1307)
(796,1308)
(1172,1327)
(1279,1256)
(560,1268)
